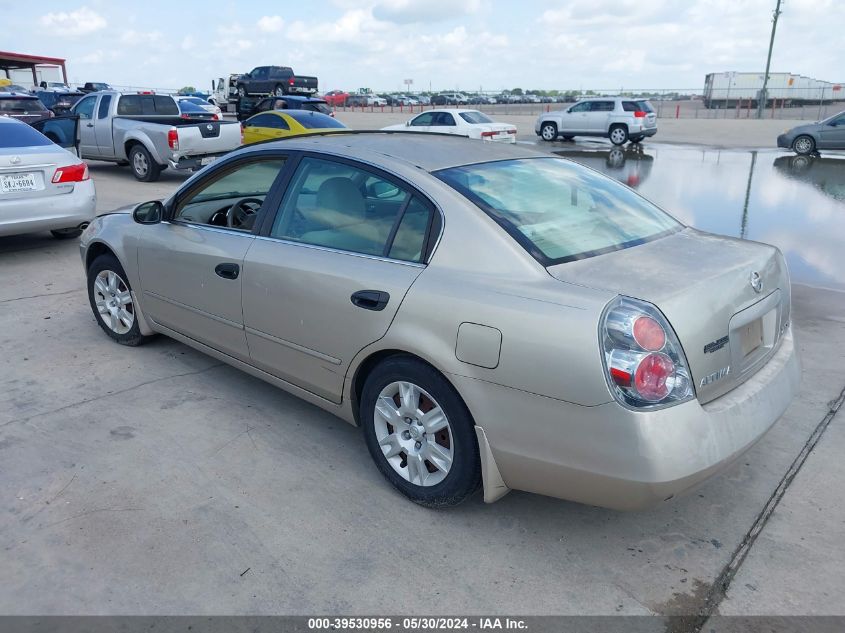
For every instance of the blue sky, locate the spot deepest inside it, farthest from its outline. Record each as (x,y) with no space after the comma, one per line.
(444,44)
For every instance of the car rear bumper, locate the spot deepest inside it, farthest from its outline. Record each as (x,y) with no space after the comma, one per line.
(646,131)
(60,211)
(613,457)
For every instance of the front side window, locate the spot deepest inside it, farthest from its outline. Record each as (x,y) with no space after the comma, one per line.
(85,108)
(233,198)
(559,211)
(422,120)
(584,106)
(343,207)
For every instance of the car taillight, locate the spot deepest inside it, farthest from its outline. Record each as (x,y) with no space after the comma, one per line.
(644,362)
(71,173)
(487,134)
(640,114)
(173,137)
(215,118)
(512,131)
(290,81)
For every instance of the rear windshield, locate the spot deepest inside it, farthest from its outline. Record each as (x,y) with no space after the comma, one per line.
(475,117)
(557,210)
(317,107)
(313,120)
(12,135)
(147,104)
(21,105)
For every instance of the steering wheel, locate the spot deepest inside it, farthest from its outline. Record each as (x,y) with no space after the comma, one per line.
(241,211)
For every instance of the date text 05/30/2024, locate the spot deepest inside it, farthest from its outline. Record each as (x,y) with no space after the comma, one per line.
(416,624)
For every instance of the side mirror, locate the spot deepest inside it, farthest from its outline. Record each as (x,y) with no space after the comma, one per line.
(407,124)
(149,212)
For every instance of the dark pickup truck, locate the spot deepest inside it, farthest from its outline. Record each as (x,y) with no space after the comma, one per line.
(276,80)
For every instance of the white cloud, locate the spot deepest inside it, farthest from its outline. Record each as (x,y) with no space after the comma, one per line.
(142,37)
(409,11)
(188,42)
(270,23)
(79,22)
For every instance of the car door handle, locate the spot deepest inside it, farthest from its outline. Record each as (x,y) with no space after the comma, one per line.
(227,270)
(89,125)
(370,299)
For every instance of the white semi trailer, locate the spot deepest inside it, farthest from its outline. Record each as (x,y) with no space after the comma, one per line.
(730,89)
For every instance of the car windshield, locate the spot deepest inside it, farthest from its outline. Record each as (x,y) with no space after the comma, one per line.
(557,210)
(21,105)
(475,117)
(21,136)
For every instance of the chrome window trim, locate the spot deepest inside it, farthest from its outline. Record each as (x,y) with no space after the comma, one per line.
(328,249)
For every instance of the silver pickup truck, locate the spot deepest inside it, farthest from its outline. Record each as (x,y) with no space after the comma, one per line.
(147,132)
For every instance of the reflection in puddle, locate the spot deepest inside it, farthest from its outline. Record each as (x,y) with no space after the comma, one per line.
(796,203)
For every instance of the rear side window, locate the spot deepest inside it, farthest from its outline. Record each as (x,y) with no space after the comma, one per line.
(475,117)
(103,110)
(637,106)
(603,106)
(314,120)
(12,135)
(268,120)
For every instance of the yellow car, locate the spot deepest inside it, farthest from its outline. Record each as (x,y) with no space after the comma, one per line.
(281,123)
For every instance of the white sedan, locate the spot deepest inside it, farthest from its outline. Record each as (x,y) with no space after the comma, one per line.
(471,123)
(202,103)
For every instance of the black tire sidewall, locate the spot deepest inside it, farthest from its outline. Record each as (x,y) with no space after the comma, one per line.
(613,129)
(109,262)
(153,170)
(550,125)
(464,475)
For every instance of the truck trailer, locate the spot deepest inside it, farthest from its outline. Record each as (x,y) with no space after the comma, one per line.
(732,89)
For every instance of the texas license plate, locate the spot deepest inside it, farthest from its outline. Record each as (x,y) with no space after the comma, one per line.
(752,336)
(13,183)
(207,160)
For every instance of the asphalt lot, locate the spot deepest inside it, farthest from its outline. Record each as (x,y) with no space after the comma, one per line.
(155,480)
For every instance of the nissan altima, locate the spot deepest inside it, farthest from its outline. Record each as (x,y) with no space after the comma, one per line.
(490,316)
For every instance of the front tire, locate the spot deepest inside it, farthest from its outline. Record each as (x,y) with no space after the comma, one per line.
(242,91)
(548,131)
(618,134)
(110,297)
(420,433)
(804,145)
(144,168)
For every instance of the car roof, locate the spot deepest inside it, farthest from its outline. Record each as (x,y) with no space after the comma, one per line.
(430,152)
(17,95)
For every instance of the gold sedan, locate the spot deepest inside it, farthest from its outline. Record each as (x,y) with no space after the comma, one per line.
(280,124)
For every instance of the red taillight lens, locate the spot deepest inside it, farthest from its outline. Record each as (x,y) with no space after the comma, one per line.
(649,334)
(173,136)
(290,81)
(640,114)
(487,134)
(215,118)
(651,376)
(71,173)
(512,131)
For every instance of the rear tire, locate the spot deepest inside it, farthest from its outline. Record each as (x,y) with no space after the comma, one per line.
(144,168)
(433,459)
(279,90)
(548,131)
(568,138)
(109,295)
(618,134)
(804,145)
(66,234)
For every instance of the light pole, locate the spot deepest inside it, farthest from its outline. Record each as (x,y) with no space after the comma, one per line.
(761,103)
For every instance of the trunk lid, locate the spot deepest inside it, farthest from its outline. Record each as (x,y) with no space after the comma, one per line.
(702,283)
(28,171)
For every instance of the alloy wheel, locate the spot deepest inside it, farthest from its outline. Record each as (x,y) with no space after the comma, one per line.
(114,302)
(413,433)
(548,132)
(618,136)
(140,164)
(803,145)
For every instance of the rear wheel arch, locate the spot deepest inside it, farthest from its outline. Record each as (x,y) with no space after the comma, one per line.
(366,367)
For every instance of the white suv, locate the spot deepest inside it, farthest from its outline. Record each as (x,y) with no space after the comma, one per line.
(621,119)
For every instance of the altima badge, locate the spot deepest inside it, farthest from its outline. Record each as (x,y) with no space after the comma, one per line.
(209,127)
(756,281)
(15,160)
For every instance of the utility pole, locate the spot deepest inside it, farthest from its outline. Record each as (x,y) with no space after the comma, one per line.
(761,103)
